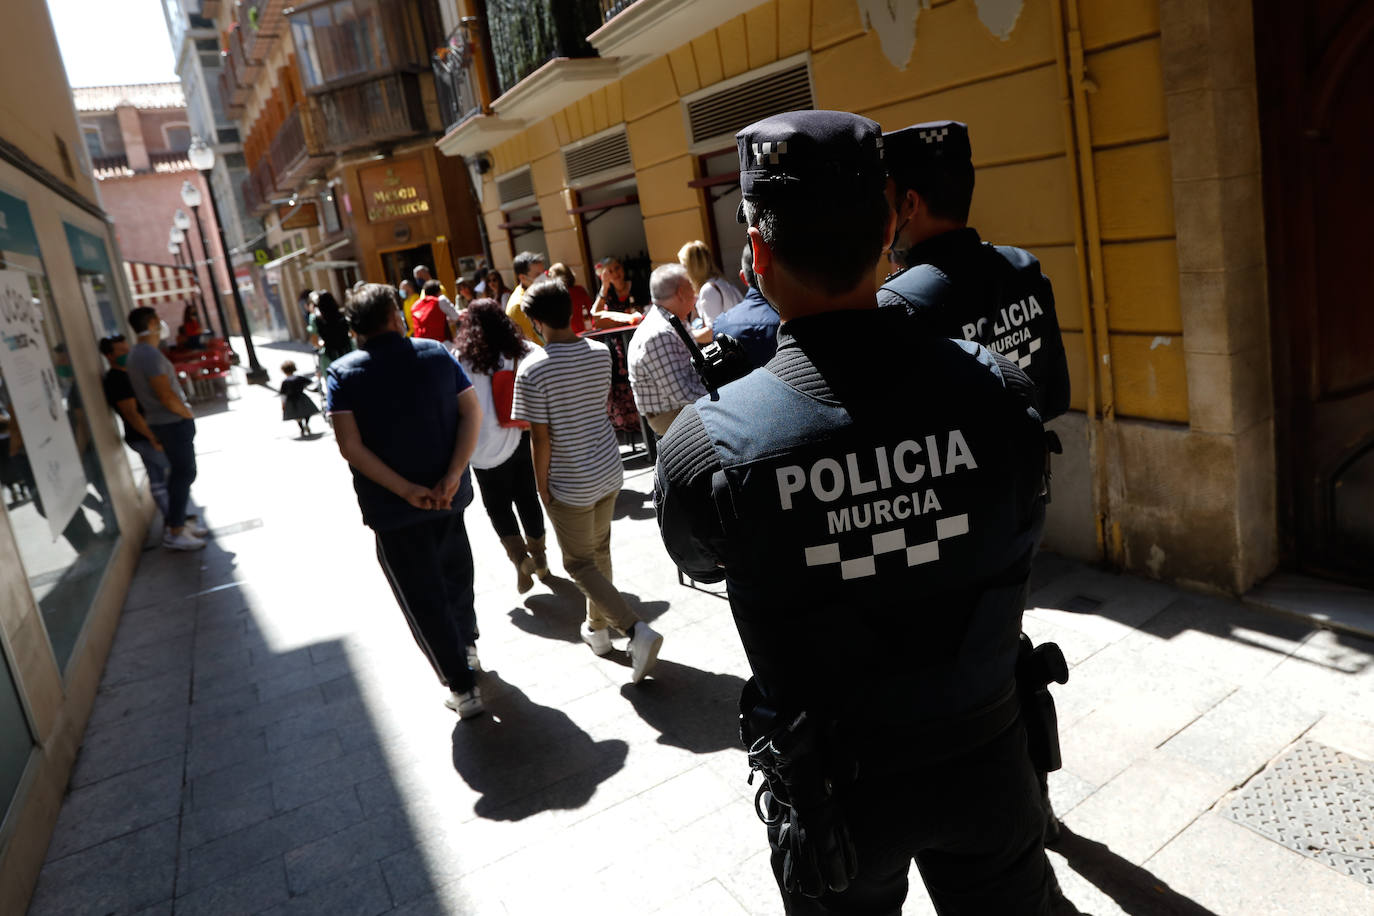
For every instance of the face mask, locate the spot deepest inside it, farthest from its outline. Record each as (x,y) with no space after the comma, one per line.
(121,359)
(165,332)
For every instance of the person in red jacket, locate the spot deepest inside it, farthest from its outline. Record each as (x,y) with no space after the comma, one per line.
(430,320)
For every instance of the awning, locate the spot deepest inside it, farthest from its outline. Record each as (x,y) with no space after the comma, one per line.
(278,262)
(330,265)
(160,284)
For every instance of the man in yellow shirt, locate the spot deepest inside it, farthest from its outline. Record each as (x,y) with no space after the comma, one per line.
(529,267)
(408,299)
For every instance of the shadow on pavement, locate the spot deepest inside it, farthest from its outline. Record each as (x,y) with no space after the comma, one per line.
(560,615)
(525,758)
(633,504)
(1137,891)
(692,709)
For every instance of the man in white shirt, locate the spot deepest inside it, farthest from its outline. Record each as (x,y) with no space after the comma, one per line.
(561,392)
(661,372)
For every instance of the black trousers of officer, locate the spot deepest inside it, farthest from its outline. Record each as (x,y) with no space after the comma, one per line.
(429,566)
(973,824)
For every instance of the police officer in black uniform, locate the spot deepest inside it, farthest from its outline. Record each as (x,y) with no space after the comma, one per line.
(872,498)
(953,284)
(951,281)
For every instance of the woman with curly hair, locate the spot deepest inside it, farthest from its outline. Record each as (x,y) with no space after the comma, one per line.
(489,345)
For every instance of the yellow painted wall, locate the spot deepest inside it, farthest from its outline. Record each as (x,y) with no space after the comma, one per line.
(1006,90)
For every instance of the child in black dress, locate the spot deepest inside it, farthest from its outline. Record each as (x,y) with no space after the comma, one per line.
(295,403)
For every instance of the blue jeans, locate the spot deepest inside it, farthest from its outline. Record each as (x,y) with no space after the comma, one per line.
(158,468)
(178,444)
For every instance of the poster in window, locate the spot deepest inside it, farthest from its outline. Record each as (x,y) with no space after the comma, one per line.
(32,386)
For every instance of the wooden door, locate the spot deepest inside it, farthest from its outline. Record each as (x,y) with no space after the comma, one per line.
(1315,62)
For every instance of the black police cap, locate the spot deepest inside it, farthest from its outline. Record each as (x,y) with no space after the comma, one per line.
(934,145)
(811,153)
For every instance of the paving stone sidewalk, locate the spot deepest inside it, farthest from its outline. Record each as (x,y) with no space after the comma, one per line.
(268,739)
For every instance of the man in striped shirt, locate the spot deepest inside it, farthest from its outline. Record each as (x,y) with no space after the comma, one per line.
(661,372)
(561,392)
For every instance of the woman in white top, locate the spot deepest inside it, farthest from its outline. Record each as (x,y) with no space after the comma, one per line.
(715,294)
(488,343)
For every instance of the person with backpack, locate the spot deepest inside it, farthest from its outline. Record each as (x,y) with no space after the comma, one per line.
(489,347)
(328,327)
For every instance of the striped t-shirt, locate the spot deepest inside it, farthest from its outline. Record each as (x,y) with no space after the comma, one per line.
(566,386)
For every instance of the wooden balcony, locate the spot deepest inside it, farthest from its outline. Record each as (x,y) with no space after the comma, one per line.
(296,152)
(370,113)
(261,23)
(259,188)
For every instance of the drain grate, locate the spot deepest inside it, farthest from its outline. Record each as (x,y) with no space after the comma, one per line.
(1082,604)
(1317,801)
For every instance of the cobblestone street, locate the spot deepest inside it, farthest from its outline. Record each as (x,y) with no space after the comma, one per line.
(268,738)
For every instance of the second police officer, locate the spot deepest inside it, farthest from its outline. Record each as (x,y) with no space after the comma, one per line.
(950,280)
(953,284)
(872,498)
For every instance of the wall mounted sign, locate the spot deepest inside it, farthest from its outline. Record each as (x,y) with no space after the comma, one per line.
(396,190)
(37,402)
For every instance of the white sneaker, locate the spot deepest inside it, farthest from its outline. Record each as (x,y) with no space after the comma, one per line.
(183,541)
(599,640)
(467,704)
(194,528)
(474,662)
(644,646)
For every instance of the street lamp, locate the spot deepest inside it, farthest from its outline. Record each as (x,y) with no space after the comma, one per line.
(176,240)
(190,195)
(203,160)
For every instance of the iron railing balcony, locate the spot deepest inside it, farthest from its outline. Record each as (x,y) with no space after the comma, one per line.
(372,112)
(527,34)
(455,79)
(612,8)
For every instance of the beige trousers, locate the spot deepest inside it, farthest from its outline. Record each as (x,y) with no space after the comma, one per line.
(659,422)
(584,536)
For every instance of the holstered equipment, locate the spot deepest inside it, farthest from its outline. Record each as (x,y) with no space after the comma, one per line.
(1036,668)
(798,798)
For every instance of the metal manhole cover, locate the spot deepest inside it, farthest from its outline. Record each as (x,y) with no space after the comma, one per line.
(1317,801)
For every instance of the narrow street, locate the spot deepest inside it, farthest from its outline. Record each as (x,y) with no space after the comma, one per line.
(268,738)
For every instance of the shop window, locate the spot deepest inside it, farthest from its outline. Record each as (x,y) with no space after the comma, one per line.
(96,278)
(613,226)
(51,482)
(16,738)
(720,184)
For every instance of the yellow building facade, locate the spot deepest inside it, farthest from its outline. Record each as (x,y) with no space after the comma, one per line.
(1098,147)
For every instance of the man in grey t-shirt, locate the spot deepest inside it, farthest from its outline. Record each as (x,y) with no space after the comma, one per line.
(170,418)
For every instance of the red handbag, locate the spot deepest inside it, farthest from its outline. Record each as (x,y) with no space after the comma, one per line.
(503,396)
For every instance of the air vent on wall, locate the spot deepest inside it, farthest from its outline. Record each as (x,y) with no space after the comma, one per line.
(609,153)
(726,111)
(518,186)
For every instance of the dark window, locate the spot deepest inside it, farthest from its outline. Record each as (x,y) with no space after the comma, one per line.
(347,39)
(178,137)
(234,160)
(94,146)
(208,44)
(228,135)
